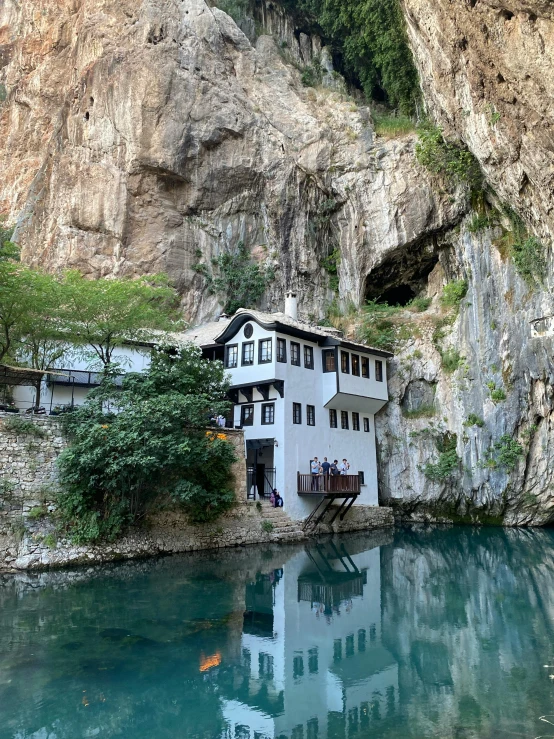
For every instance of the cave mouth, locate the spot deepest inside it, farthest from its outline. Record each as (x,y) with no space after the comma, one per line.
(401,277)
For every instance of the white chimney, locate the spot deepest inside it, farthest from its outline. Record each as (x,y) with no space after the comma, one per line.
(291,306)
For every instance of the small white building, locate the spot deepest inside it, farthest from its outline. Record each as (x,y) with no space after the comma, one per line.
(299,392)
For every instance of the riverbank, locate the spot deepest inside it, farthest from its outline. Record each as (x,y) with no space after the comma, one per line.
(169,532)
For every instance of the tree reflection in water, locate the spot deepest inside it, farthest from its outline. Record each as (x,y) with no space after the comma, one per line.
(430,632)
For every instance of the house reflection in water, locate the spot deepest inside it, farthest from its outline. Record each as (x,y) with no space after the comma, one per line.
(313,665)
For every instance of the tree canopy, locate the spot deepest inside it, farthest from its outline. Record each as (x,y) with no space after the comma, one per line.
(103,314)
(155,444)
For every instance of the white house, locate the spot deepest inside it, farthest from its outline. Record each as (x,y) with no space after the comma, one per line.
(332,679)
(300,392)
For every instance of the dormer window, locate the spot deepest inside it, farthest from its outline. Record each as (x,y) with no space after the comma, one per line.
(231,356)
(248,353)
(264,351)
(308,357)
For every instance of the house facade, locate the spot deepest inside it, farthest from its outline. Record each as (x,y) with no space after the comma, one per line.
(301,392)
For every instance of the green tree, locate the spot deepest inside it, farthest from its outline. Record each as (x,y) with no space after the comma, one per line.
(155,445)
(42,345)
(103,314)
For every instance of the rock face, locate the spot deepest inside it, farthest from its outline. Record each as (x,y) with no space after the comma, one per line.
(487,72)
(149,136)
(152,136)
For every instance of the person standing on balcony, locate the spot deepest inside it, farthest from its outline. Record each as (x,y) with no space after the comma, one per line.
(344,467)
(316,471)
(325,466)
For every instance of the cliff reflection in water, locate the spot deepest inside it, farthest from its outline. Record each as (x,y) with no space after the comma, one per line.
(439,633)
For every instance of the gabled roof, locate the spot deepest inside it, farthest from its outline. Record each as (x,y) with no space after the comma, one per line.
(285,324)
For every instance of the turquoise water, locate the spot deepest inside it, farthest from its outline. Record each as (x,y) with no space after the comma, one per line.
(417,633)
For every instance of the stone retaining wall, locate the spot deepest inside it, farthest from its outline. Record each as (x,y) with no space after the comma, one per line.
(30,541)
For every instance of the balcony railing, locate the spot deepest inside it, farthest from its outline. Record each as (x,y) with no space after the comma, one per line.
(78,378)
(323,484)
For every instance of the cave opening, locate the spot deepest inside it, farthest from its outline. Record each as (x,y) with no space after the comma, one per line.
(402,276)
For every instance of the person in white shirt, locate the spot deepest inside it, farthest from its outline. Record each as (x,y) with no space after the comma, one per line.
(344,467)
(315,467)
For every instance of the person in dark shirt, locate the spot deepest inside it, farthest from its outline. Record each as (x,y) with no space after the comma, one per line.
(335,467)
(325,466)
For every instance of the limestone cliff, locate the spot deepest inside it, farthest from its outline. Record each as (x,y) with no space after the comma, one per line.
(152,136)
(140,137)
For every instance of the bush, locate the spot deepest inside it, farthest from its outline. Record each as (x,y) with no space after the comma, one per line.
(509,451)
(425,411)
(474,420)
(331,265)
(479,222)
(447,463)
(497,393)
(156,446)
(453,293)
(390,126)
(23,426)
(451,360)
(377,329)
(442,157)
(529,261)
(238,280)
(419,305)
(267,526)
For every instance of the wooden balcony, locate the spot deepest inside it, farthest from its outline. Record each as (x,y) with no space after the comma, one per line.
(337,485)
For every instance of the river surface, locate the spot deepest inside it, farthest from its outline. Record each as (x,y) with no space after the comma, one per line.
(429,632)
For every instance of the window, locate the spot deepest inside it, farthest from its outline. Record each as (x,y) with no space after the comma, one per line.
(356,365)
(309,357)
(337,650)
(313,661)
(378,370)
(231,356)
(332,418)
(281,350)
(264,351)
(313,728)
(310,415)
(355,421)
(247,415)
(268,414)
(297,667)
(247,353)
(361,475)
(349,644)
(365,366)
(361,640)
(295,353)
(329,364)
(265,665)
(345,362)
(366,425)
(344,419)
(297,413)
